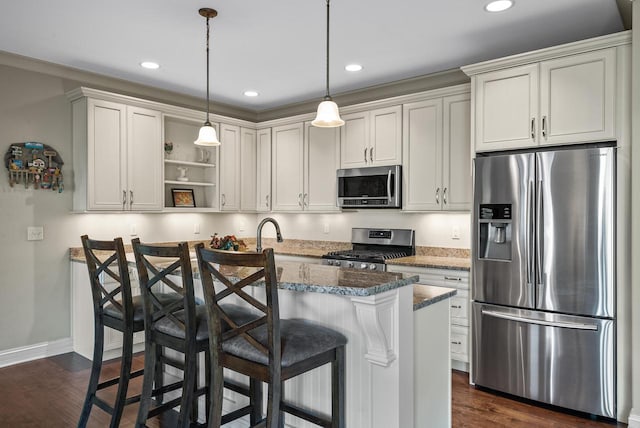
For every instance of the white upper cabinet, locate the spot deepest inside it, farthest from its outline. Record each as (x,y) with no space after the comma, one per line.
(229,167)
(117,156)
(560,95)
(321,160)
(248,169)
(506,108)
(372,138)
(437,157)
(577,98)
(263,174)
(287,167)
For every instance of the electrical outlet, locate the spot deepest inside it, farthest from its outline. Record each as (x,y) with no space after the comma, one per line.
(455,232)
(35,233)
(243,226)
(133,230)
(196,228)
(326,228)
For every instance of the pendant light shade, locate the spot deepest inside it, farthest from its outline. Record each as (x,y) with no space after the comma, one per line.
(328,115)
(207,135)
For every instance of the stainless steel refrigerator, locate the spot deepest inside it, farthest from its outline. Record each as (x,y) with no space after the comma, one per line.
(543,250)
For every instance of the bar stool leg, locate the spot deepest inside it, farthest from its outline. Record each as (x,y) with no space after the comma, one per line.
(338,389)
(94,378)
(150,357)
(255,400)
(188,386)
(125,375)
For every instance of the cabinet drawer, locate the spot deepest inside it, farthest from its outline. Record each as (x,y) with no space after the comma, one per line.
(460,344)
(460,308)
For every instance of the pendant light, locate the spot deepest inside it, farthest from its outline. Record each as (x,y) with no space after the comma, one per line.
(207,135)
(328,115)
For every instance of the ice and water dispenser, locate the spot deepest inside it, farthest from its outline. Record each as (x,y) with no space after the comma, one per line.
(494,224)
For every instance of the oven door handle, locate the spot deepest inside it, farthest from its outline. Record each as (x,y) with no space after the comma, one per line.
(389,186)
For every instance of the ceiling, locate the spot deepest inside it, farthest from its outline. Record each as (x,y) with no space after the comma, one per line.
(278,47)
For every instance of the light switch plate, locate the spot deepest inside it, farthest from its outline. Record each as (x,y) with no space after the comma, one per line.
(455,232)
(35,233)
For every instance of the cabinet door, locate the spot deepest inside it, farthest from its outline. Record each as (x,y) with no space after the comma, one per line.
(354,137)
(229,167)
(422,166)
(144,159)
(577,98)
(385,144)
(506,107)
(287,163)
(263,184)
(456,153)
(106,156)
(322,158)
(248,170)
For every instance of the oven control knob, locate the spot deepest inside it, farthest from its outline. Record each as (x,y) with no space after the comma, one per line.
(363,266)
(337,263)
(330,262)
(350,264)
(372,267)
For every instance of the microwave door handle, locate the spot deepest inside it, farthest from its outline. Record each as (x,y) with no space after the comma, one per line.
(389,186)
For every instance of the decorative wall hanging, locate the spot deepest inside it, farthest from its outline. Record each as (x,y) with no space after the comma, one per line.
(34,164)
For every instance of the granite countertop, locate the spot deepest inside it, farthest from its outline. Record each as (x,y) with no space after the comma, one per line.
(429,257)
(435,262)
(317,278)
(425,295)
(309,277)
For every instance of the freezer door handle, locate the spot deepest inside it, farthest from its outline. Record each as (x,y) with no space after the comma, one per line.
(562,324)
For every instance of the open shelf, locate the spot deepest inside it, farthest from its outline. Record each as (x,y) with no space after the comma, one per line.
(189,183)
(189,163)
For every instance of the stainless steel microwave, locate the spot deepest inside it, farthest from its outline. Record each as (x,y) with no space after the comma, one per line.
(373,187)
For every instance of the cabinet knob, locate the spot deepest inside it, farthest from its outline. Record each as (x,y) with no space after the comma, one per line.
(365,155)
(371,154)
(266,201)
(544,127)
(444,196)
(453,342)
(124,198)
(452,278)
(130,197)
(456,306)
(438,196)
(533,128)
(305,199)
(224,200)
(299,199)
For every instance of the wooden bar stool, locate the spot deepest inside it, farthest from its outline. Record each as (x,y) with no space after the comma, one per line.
(115,308)
(180,325)
(267,349)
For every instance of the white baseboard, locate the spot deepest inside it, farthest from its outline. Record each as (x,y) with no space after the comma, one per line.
(634,418)
(34,352)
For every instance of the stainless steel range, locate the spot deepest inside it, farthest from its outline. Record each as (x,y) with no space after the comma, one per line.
(371,247)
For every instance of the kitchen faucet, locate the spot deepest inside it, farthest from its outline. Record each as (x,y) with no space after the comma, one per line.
(259,232)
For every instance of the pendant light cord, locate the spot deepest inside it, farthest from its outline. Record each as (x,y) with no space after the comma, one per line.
(208,123)
(327,96)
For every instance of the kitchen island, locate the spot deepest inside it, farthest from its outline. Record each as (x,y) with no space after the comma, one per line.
(385,325)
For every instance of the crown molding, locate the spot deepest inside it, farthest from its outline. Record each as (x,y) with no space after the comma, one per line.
(602,42)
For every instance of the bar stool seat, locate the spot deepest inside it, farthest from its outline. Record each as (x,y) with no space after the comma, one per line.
(301,340)
(138,309)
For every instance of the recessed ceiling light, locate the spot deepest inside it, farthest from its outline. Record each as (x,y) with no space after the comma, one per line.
(498,5)
(353,67)
(250,94)
(150,65)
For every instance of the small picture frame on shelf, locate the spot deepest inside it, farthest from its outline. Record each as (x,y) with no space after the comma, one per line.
(183,198)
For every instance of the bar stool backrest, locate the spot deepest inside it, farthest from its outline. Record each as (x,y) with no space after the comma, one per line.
(235,271)
(102,258)
(156,264)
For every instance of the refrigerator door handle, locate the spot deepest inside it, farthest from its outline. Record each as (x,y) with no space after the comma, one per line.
(530,233)
(539,229)
(561,324)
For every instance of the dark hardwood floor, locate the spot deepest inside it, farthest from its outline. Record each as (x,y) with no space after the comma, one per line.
(49,393)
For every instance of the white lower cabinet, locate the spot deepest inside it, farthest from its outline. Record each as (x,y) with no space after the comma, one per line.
(459,306)
(82,327)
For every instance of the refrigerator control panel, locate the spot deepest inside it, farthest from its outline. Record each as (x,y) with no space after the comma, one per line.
(495,211)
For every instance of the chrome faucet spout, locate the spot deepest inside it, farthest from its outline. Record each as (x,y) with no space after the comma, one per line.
(259,232)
